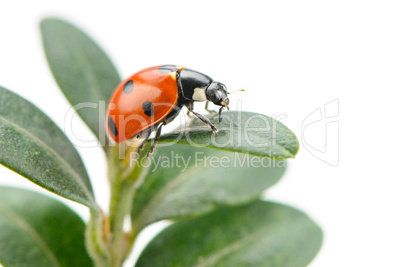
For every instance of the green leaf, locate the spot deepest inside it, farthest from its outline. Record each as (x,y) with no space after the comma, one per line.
(188,181)
(246,132)
(259,234)
(36,230)
(82,70)
(33,146)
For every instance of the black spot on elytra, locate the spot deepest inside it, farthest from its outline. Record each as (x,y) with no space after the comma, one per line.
(128,87)
(148,108)
(167,68)
(112,126)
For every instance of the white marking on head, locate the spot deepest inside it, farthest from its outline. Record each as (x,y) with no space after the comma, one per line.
(199,94)
(219,93)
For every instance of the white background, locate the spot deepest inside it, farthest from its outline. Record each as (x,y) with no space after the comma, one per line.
(293,57)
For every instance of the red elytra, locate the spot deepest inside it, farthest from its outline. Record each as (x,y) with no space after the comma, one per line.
(125,109)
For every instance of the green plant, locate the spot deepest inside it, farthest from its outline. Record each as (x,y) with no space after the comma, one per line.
(219,219)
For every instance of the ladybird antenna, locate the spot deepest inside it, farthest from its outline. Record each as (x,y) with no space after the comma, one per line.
(240,90)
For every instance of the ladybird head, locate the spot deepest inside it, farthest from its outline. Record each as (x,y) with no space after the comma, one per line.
(217,94)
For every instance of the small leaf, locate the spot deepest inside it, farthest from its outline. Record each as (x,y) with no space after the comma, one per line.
(259,234)
(33,146)
(82,70)
(188,181)
(36,230)
(246,132)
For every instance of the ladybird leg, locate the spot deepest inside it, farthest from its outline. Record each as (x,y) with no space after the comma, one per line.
(206,121)
(157,136)
(220,114)
(189,106)
(173,114)
(207,109)
(146,137)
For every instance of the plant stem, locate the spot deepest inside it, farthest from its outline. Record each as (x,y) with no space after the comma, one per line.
(107,242)
(120,207)
(95,239)
(124,180)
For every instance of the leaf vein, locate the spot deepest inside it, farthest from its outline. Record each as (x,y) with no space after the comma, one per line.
(52,151)
(31,232)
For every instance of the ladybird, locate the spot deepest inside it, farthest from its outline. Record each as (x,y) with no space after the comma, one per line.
(154,96)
